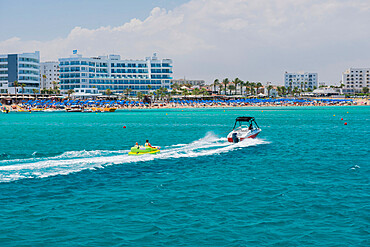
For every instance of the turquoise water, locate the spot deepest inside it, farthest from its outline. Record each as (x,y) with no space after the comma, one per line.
(66,179)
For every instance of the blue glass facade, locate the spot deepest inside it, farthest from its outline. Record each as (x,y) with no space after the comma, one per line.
(111,72)
(23,68)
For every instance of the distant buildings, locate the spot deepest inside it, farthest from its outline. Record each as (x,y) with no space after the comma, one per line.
(49,73)
(191,82)
(94,75)
(302,80)
(112,72)
(355,79)
(22,68)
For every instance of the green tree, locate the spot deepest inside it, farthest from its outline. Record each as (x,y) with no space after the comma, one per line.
(247,87)
(225,82)
(140,95)
(269,88)
(22,86)
(237,82)
(184,92)
(258,85)
(365,89)
(215,84)
(35,92)
(296,90)
(196,91)
(108,91)
(55,86)
(128,91)
(203,91)
(43,81)
(15,84)
(284,90)
(231,88)
(252,85)
(69,92)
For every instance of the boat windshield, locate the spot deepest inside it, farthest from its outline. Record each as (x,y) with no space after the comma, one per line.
(245,122)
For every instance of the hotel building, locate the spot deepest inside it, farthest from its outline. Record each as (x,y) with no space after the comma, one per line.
(301,79)
(49,72)
(23,68)
(112,72)
(355,79)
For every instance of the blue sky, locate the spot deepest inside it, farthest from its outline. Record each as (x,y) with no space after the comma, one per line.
(255,40)
(54,19)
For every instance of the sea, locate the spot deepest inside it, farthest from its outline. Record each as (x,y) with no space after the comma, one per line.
(66,178)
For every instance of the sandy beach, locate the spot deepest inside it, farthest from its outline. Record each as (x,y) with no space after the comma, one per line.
(111,106)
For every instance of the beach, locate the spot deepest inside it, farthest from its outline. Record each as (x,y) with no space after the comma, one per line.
(79,105)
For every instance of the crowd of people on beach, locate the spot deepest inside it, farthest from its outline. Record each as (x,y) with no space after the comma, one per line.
(102,105)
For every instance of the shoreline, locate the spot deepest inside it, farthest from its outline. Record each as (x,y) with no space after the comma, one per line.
(17,108)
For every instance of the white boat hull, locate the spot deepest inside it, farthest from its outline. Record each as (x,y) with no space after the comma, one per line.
(243,133)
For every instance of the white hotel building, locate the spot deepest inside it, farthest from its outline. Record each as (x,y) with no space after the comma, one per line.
(112,72)
(355,79)
(301,79)
(23,68)
(49,72)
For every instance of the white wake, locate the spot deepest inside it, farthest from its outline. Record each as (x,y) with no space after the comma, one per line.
(75,161)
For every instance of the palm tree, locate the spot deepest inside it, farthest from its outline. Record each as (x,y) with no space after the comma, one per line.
(140,95)
(15,84)
(252,85)
(258,85)
(269,88)
(150,87)
(231,87)
(302,83)
(22,86)
(35,91)
(288,90)
(296,90)
(247,85)
(215,84)
(283,90)
(365,89)
(54,85)
(225,82)
(69,92)
(237,82)
(128,91)
(43,81)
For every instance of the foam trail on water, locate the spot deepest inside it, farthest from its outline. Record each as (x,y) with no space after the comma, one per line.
(75,161)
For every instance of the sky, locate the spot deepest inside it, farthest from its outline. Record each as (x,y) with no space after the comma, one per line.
(254,40)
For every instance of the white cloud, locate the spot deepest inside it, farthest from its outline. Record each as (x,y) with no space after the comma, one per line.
(250,39)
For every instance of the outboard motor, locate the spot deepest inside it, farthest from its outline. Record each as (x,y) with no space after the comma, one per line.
(235,138)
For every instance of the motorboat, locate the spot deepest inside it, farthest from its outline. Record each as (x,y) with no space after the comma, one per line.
(140,150)
(244,127)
